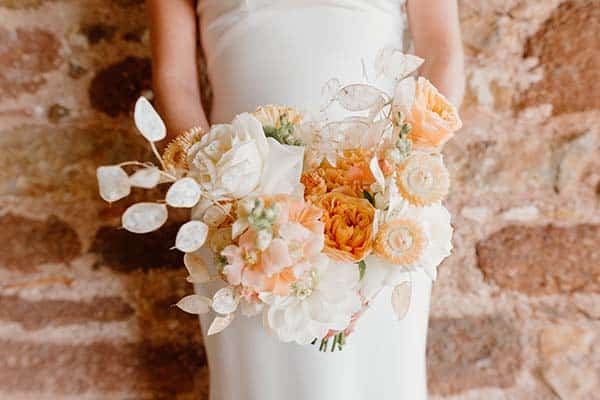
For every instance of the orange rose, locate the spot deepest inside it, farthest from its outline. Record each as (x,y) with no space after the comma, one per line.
(314,183)
(348,225)
(351,171)
(433,118)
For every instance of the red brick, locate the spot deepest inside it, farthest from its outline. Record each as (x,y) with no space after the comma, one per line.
(124,251)
(542,260)
(147,370)
(115,88)
(567,47)
(27,243)
(42,313)
(472,352)
(25,56)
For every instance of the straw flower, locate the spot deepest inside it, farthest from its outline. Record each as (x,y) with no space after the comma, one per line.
(422,179)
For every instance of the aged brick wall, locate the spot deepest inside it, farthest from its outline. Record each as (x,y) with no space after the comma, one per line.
(85,307)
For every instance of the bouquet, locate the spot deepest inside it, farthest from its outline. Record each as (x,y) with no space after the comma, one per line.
(307,219)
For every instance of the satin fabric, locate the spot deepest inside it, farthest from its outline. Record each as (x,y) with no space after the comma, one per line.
(282,52)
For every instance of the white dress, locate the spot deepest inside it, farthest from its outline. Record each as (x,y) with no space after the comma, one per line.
(282,52)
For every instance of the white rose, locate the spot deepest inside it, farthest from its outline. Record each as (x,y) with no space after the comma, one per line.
(229,160)
(236,160)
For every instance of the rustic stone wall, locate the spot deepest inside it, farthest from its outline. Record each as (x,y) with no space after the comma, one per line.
(85,307)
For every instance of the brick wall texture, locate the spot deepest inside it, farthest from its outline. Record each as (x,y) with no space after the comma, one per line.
(85,307)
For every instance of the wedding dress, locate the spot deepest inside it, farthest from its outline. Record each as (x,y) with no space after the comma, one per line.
(282,52)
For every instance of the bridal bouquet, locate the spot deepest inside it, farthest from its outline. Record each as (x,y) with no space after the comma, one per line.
(306,220)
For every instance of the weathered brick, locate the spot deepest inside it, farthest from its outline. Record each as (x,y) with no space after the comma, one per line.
(146,370)
(27,243)
(567,47)
(125,251)
(472,352)
(25,56)
(42,313)
(543,259)
(115,89)
(97,32)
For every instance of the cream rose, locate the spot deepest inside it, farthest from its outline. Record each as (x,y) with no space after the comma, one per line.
(229,160)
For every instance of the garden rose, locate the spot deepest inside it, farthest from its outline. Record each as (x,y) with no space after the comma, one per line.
(348,225)
(433,118)
(229,160)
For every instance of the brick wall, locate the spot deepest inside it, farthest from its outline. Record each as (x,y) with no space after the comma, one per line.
(85,307)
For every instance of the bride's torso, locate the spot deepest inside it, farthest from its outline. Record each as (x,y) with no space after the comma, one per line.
(283,51)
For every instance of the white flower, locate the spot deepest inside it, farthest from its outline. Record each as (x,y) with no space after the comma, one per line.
(236,160)
(229,160)
(425,235)
(325,300)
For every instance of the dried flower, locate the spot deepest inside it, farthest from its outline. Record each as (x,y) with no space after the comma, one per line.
(422,179)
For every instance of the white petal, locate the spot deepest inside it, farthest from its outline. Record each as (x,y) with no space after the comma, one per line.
(401,299)
(184,193)
(144,217)
(394,64)
(194,304)
(219,323)
(283,169)
(358,97)
(148,122)
(225,301)
(196,267)
(146,178)
(113,183)
(191,236)
(377,173)
(215,215)
(404,96)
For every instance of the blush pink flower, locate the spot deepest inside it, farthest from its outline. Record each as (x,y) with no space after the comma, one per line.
(298,237)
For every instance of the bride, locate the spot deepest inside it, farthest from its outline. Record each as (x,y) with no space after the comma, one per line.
(281,52)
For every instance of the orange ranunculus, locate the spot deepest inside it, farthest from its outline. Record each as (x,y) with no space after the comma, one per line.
(348,225)
(433,118)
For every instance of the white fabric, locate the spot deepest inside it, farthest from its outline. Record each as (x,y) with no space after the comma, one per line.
(282,52)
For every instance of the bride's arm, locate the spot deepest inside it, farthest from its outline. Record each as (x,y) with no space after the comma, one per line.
(435,29)
(174,64)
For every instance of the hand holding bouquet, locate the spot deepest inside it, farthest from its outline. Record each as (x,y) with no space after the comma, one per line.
(307,219)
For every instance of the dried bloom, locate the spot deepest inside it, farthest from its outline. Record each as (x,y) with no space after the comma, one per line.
(270,115)
(422,179)
(400,242)
(175,154)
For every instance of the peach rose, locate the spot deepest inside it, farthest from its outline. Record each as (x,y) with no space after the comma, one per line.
(348,225)
(433,118)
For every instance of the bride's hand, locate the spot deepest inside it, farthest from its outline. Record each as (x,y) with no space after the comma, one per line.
(435,29)
(173,27)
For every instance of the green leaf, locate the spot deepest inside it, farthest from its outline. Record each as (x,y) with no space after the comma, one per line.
(362,267)
(369,197)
